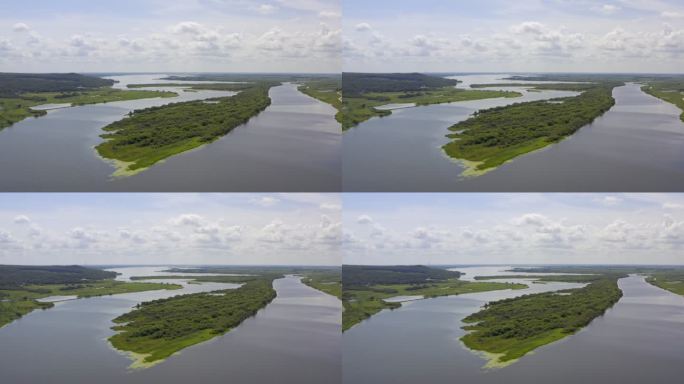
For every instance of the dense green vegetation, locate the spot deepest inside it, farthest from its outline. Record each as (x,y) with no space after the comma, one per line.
(364,288)
(326,90)
(496,135)
(20,92)
(363,92)
(150,135)
(670,91)
(559,278)
(508,329)
(22,286)
(232,87)
(157,329)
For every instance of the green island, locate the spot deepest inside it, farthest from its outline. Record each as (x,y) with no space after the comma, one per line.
(669,91)
(151,135)
(22,286)
(365,288)
(157,329)
(20,93)
(364,92)
(496,135)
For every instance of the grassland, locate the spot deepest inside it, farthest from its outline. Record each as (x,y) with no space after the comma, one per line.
(672,281)
(506,330)
(18,301)
(328,282)
(669,91)
(151,135)
(157,329)
(365,288)
(18,108)
(497,135)
(326,90)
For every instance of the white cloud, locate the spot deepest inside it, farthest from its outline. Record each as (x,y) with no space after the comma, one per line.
(363,27)
(364,219)
(22,219)
(20,27)
(266,9)
(188,219)
(264,201)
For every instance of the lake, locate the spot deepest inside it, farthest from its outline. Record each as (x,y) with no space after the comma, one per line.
(296,338)
(294,145)
(641,135)
(638,340)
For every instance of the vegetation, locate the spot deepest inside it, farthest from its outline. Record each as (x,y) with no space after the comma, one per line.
(22,286)
(364,92)
(231,87)
(326,90)
(672,280)
(496,135)
(157,329)
(365,288)
(670,91)
(508,329)
(19,93)
(329,282)
(150,135)
(559,278)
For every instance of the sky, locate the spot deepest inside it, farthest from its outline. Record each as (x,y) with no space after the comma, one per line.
(645,36)
(235,229)
(464,228)
(170,36)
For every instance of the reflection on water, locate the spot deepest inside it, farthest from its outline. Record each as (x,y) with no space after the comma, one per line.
(294,145)
(641,135)
(296,338)
(638,340)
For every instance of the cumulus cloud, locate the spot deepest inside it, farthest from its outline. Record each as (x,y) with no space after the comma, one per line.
(20,27)
(362,27)
(364,219)
(22,219)
(264,201)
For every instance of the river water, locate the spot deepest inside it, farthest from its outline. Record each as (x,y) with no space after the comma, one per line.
(296,338)
(294,145)
(641,135)
(638,340)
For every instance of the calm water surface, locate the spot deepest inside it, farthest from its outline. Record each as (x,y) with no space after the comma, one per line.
(638,340)
(294,145)
(641,135)
(296,338)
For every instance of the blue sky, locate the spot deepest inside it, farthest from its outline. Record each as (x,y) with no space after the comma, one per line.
(524,35)
(169,228)
(520,228)
(166,36)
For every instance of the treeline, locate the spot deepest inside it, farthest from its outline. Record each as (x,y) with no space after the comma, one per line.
(256,77)
(162,327)
(16,276)
(14,84)
(496,135)
(153,134)
(356,84)
(366,275)
(514,327)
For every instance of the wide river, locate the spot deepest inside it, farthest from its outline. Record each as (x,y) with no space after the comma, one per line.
(294,145)
(636,146)
(295,339)
(639,340)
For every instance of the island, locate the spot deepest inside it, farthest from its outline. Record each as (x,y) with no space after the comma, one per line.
(366,289)
(22,94)
(150,135)
(365,94)
(22,287)
(493,136)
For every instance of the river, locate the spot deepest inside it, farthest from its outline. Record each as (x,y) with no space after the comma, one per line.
(296,338)
(638,340)
(641,135)
(294,145)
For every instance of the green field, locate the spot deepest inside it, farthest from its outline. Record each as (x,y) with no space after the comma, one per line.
(366,287)
(497,135)
(328,91)
(151,135)
(670,91)
(506,330)
(15,109)
(672,281)
(328,282)
(157,329)
(17,302)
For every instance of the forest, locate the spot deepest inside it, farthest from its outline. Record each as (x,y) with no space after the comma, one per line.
(496,135)
(156,329)
(15,84)
(150,135)
(365,288)
(22,286)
